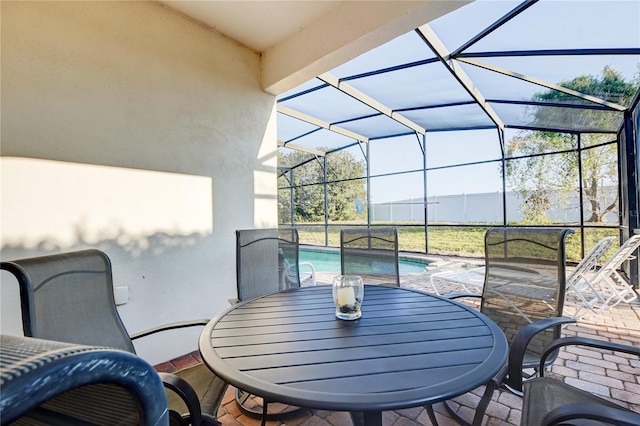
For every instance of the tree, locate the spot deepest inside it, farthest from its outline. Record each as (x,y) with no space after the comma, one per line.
(539,178)
(308,181)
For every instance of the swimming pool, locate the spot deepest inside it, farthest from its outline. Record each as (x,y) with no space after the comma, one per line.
(329,261)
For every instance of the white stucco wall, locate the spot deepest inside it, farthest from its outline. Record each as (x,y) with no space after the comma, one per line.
(158,142)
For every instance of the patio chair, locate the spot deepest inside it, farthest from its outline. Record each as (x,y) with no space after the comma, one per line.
(608,283)
(266,262)
(523,294)
(549,401)
(580,293)
(55,383)
(371,253)
(68,297)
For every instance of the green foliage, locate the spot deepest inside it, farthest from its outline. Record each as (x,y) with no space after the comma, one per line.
(535,208)
(610,86)
(539,177)
(346,190)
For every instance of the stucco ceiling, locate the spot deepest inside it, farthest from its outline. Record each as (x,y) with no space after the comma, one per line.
(298,40)
(255,24)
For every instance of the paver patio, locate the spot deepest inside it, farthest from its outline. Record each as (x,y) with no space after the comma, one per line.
(614,377)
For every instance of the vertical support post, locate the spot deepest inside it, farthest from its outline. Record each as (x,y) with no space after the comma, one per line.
(326,203)
(424,192)
(367,157)
(629,160)
(581,195)
(292,194)
(504,178)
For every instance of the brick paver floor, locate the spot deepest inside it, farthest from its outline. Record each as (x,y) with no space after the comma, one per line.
(613,377)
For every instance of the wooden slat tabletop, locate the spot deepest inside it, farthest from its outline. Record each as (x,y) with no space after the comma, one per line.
(408,349)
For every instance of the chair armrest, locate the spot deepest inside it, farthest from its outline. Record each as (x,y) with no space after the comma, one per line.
(519,345)
(178,385)
(309,264)
(186,393)
(289,270)
(171,326)
(311,268)
(590,411)
(585,341)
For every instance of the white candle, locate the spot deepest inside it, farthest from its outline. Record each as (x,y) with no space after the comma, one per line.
(346,296)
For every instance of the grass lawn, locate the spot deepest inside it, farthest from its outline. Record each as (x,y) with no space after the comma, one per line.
(450,240)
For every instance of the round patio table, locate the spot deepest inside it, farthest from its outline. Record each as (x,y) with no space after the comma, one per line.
(408,349)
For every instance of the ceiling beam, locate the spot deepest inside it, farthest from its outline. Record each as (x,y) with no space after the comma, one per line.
(612,105)
(369,101)
(301,148)
(454,67)
(321,123)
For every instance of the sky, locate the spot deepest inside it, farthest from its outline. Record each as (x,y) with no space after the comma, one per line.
(549,24)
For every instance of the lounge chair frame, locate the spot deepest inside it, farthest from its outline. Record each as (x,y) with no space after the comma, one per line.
(580,292)
(612,287)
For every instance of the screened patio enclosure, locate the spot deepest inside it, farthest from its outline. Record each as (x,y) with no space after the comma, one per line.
(500,112)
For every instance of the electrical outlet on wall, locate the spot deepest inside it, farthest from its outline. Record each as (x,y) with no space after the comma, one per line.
(121,294)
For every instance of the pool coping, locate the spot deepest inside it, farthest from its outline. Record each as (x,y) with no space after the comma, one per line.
(410,256)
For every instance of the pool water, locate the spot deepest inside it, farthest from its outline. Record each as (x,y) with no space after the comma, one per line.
(329,261)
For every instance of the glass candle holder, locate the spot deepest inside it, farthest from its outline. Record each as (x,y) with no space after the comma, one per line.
(348,293)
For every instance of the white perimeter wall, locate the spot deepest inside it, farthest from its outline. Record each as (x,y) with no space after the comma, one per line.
(485,208)
(159,144)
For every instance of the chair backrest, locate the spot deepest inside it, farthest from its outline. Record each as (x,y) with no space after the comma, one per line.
(68,297)
(590,260)
(525,281)
(63,383)
(371,253)
(263,256)
(624,253)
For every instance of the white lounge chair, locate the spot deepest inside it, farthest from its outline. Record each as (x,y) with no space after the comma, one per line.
(609,277)
(308,277)
(580,293)
(471,280)
(611,287)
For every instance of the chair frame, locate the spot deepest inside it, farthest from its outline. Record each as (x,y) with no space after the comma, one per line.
(37,371)
(350,235)
(19,269)
(289,277)
(511,376)
(287,267)
(597,408)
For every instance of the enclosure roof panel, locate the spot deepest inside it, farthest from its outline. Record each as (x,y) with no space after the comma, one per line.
(553,24)
(566,66)
(417,86)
